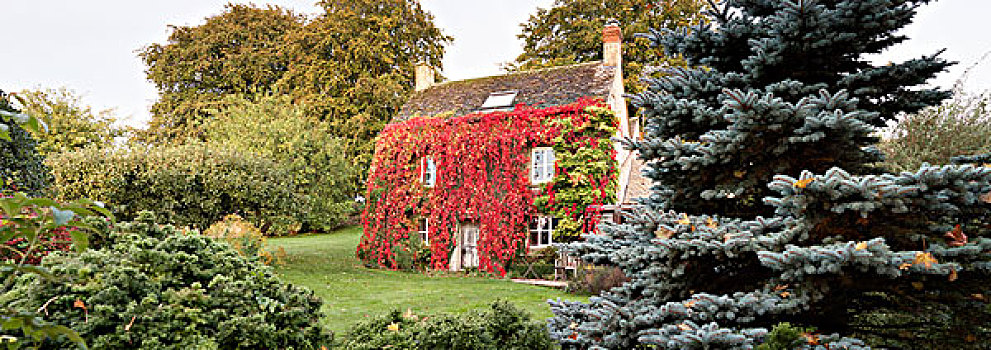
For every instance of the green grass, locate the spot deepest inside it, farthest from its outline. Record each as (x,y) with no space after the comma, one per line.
(327,265)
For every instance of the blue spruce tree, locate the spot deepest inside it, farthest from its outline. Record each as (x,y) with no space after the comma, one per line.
(767,206)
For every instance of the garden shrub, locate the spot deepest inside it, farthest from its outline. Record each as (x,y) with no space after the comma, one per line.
(274,127)
(936,134)
(15,249)
(188,185)
(596,279)
(21,167)
(784,336)
(246,239)
(501,326)
(72,125)
(152,287)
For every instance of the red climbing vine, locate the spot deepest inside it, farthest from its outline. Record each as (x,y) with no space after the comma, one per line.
(481,164)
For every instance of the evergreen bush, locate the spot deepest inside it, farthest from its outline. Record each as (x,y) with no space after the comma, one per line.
(766,208)
(188,185)
(502,326)
(21,167)
(152,287)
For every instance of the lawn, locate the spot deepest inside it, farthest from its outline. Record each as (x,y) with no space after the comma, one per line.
(327,265)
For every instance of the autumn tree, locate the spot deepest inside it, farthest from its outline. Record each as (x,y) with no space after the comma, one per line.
(570,31)
(765,208)
(238,51)
(353,65)
(71,124)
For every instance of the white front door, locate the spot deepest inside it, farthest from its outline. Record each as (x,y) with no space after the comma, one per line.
(469,245)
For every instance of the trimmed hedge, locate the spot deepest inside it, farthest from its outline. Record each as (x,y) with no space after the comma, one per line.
(188,185)
(152,287)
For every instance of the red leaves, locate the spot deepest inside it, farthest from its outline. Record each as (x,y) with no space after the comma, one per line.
(956,236)
(481,162)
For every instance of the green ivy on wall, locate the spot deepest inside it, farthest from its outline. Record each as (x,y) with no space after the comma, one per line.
(586,173)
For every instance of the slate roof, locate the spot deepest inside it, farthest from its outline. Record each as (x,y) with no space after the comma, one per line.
(537,88)
(638,185)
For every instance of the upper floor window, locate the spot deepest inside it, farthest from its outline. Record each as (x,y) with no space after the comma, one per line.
(424,231)
(428,172)
(541,165)
(542,231)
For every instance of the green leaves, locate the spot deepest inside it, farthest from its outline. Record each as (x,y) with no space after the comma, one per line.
(194,185)
(72,124)
(276,128)
(33,328)
(350,66)
(152,287)
(570,32)
(32,220)
(21,166)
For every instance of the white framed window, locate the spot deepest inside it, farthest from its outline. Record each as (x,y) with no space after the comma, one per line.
(428,172)
(542,231)
(541,165)
(424,230)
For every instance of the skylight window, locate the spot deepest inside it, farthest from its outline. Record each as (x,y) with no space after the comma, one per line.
(499,101)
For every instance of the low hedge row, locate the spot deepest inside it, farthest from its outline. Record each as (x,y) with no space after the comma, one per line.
(189,185)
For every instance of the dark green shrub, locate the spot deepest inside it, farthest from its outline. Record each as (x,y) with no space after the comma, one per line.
(188,185)
(502,326)
(152,287)
(21,166)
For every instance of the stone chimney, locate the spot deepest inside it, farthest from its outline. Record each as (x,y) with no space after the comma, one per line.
(612,44)
(424,77)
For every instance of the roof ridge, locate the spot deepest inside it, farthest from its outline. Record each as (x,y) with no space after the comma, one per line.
(536,87)
(538,70)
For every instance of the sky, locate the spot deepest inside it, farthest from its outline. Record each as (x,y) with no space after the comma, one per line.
(91,46)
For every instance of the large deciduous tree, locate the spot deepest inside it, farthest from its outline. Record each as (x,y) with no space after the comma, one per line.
(570,31)
(273,127)
(353,65)
(237,51)
(765,209)
(71,124)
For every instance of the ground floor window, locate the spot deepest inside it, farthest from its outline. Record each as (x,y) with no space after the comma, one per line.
(424,231)
(542,231)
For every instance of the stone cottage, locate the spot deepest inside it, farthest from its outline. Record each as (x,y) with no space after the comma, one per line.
(470,174)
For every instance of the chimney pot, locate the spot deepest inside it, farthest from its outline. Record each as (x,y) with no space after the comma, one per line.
(611,33)
(424,77)
(612,44)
